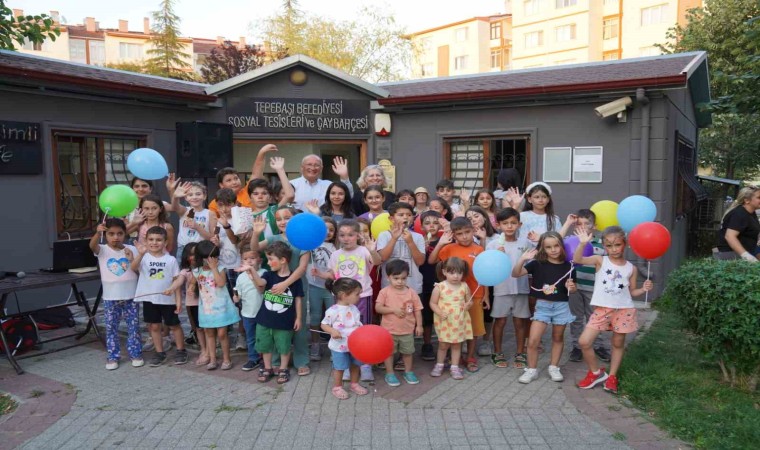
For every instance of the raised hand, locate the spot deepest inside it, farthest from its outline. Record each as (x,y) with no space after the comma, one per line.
(370,244)
(259,224)
(312,206)
(340,167)
(268,148)
(584,236)
(139,216)
(533,236)
(171,182)
(141,248)
(445,225)
(464,195)
(530,254)
(243,268)
(397,230)
(101,228)
(572,219)
(213,262)
(277,163)
(129,255)
(446,238)
(513,197)
(215,240)
(182,189)
(480,233)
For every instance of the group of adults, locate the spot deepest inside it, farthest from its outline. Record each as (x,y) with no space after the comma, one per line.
(740,228)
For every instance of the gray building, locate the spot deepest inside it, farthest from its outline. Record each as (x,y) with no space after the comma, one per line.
(72,127)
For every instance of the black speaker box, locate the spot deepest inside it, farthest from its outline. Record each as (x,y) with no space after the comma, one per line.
(203,148)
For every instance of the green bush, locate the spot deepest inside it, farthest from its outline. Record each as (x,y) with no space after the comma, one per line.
(719,301)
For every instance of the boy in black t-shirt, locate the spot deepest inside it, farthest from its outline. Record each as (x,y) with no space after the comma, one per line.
(280,313)
(430,228)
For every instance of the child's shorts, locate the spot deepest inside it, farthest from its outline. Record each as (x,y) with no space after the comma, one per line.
(271,340)
(153,313)
(343,360)
(403,343)
(622,320)
(553,313)
(515,305)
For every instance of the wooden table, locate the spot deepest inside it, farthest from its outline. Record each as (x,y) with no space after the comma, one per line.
(38,280)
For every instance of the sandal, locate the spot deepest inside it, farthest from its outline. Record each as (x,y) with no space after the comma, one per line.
(212,365)
(358,389)
(264,375)
(499,360)
(472,365)
(303,371)
(521,361)
(283,376)
(202,361)
(339,393)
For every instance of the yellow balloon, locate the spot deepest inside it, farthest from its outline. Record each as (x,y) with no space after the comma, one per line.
(606,214)
(380,223)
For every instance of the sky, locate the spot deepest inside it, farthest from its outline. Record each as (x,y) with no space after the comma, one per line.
(232,18)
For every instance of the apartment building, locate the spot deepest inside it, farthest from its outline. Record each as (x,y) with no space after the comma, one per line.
(474,45)
(88,43)
(540,33)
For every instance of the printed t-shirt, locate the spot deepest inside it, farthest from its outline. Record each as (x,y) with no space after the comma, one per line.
(402,251)
(587,274)
(344,318)
(250,297)
(513,249)
(468,254)
(408,301)
(536,222)
(278,311)
(320,258)
(187,235)
(118,279)
(545,274)
(355,264)
(613,285)
(156,275)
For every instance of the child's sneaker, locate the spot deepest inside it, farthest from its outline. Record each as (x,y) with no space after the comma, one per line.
(392,380)
(138,362)
(528,376)
(158,359)
(314,352)
(456,373)
(576,355)
(592,380)
(428,354)
(112,365)
(411,378)
(555,374)
(250,365)
(366,373)
(180,357)
(437,370)
(602,353)
(611,385)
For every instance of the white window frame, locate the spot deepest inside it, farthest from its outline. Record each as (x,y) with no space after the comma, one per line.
(531,7)
(559,4)
(565,33)
(74,48)
(498,54)
(127,48)
(528,39)
(654,15)
(610,28)
(460,62)
(97,52)
(558,156)
(495,26)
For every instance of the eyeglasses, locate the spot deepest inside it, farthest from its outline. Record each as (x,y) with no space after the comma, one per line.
(313,165)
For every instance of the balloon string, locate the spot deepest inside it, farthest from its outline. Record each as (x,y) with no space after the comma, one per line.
(572,267)
(646,294)
(105,216)
(474,292)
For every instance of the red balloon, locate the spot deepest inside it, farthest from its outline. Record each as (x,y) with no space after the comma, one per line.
(370,344)
(649,240)
(418,225)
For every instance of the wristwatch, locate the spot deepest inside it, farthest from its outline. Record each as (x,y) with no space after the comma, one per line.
(227,227)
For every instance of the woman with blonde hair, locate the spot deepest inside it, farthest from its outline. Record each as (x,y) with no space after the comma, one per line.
(740,227)
(371,175)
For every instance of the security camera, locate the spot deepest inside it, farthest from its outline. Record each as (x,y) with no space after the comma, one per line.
(613,107)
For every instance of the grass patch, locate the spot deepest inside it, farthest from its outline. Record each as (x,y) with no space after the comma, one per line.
(664,374)
(7,404)
(619,436)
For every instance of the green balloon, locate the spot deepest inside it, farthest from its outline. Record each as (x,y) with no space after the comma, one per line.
(118,200)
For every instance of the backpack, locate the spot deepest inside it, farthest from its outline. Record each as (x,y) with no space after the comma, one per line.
(20,333)
(53,318)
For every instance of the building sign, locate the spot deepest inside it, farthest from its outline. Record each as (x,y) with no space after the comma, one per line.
(302,116)
(20,148)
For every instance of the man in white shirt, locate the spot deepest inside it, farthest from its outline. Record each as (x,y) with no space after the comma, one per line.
(310,187)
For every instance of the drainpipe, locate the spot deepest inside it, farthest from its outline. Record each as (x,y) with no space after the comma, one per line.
(643,100)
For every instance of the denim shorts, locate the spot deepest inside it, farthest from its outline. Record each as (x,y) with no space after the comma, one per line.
(553,313)
(343,360)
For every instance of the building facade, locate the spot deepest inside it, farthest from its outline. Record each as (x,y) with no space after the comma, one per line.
(542,33)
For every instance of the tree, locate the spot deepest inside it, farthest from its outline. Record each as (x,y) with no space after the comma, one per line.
(727,30)
(168,56)
(372,47)
(228,61)
(21,29)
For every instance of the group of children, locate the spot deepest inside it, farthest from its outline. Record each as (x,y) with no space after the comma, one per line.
(235,264)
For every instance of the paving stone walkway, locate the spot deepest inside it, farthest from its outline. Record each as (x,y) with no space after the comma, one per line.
(186,407)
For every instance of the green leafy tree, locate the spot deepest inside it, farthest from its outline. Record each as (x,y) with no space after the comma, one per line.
(168,58)
(17,30)
(730,33)
(372,47)
(228,60)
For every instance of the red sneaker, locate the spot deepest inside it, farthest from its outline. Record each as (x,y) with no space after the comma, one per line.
(611,385)
(592,380)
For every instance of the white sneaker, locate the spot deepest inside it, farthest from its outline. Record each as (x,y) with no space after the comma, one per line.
(138,362)
(555,374)
(112,365)
(366,373)
(528,376)
(485,348)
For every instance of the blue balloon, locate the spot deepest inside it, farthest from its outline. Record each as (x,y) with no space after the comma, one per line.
(635,210)
(147,164)
(492,267)
(306,231)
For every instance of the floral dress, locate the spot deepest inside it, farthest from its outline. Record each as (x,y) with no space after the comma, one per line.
(457,326)
(216,308)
